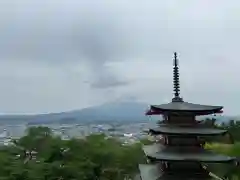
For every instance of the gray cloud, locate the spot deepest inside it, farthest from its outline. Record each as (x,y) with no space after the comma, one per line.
(92,47)
(103,78)
(92,40)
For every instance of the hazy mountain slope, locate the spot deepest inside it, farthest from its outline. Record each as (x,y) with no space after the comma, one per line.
(115,111)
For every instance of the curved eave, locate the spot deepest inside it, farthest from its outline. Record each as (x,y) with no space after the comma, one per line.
(198,131)
(180,154)
(184,107)
(154,172)
(182,159)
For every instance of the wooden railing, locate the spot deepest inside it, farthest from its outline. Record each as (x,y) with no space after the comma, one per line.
(212,174)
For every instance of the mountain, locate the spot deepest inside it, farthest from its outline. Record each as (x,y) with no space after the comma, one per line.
(114,111)
(120,111)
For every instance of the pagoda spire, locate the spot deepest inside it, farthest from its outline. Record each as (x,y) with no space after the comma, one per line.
(176,82)
(178,150)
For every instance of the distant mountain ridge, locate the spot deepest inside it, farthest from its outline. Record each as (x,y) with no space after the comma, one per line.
(109,112)
(114,111)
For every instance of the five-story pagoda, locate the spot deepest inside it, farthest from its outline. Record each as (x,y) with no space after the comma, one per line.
(181,154)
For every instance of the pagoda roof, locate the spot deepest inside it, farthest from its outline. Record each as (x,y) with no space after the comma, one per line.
(186,130)
(176,153)
(181,106)
(154,172)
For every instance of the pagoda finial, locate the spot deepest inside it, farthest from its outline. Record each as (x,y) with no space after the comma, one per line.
(176,83)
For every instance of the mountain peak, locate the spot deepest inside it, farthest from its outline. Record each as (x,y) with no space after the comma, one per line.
(111,111)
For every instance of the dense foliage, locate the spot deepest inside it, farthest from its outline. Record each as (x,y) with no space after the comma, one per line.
(42,156)
(95,157)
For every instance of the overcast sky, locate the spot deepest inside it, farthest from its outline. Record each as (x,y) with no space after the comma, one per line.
(58,55)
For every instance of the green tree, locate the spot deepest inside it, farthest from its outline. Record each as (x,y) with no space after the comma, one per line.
(94,158)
